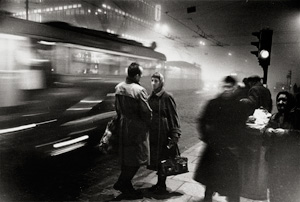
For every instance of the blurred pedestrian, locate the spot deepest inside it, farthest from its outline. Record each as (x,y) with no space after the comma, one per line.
(164,131)
(282,138)
(242,90)
(134,115)
(219,126)
(258,96)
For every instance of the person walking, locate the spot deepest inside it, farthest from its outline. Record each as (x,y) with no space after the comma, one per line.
(134,117)
(282,139)
(164,130)
(219,126)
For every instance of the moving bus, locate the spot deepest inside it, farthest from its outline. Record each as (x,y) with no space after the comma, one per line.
(57,83)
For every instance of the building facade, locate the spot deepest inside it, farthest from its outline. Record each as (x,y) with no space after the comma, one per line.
(129,19)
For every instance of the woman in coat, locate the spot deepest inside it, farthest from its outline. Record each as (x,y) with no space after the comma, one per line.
(282,138)
(164,129)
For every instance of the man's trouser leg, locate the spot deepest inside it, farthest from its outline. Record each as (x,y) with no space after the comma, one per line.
(124,182)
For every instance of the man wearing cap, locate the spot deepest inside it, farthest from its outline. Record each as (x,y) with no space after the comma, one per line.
(258,95)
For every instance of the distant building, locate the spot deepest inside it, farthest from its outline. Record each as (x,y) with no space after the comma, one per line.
(129,19)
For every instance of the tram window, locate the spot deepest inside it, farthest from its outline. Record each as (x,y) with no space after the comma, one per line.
(93,62)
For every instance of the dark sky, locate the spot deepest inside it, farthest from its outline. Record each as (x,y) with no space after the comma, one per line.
(226,27)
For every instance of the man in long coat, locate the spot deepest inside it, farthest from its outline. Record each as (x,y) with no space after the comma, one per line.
(220,125)
(134,115)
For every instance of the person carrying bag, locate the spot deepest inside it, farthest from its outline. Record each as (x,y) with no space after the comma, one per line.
(164,131)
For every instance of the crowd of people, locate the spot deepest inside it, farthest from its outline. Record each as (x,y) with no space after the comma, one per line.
(149,124)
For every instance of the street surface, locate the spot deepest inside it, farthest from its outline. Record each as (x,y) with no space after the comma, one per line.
(81,175)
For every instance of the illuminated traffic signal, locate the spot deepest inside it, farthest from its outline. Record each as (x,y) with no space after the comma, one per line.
(264,46)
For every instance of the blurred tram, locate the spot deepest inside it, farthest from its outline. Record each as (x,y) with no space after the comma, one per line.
(57,83)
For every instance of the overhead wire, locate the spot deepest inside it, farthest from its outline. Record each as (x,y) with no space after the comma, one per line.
(170,37)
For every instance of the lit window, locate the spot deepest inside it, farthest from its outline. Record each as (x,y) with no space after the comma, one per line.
(70,6)
(75,6)
(65,7)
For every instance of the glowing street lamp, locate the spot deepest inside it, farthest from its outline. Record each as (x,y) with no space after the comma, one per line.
(164,29)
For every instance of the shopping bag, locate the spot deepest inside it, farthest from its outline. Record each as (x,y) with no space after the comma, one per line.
(174,165)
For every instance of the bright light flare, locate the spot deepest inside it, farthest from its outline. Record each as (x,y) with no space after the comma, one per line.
(165,29)
(264,54)
(202,43)
(157,26)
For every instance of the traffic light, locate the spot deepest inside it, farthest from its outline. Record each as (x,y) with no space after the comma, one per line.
(257,34)
(264,46)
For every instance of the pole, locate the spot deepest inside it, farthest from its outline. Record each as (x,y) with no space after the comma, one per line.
(290,84)
(27,8)
(265,68)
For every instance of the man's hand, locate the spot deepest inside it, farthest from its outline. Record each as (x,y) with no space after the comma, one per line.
(275,132)
(280,132)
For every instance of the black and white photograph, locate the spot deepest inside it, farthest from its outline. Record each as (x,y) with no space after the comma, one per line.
(150,100)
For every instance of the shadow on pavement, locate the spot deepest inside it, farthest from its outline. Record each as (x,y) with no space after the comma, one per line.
(146,193)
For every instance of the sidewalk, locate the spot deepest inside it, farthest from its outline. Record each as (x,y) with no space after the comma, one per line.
(181,188)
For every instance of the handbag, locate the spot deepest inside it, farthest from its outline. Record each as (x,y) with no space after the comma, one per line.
(174,165)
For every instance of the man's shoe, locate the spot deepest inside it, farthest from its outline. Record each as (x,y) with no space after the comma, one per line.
(119,186)
(158,189)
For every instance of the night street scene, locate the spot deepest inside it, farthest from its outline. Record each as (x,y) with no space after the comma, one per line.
(150,100)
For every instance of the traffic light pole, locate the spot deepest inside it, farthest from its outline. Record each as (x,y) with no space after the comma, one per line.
(265,68)
(263,52)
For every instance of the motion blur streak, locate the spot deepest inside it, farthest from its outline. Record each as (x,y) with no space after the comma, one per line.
(62,144)
(91,101)
(16,129)
(64,150)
